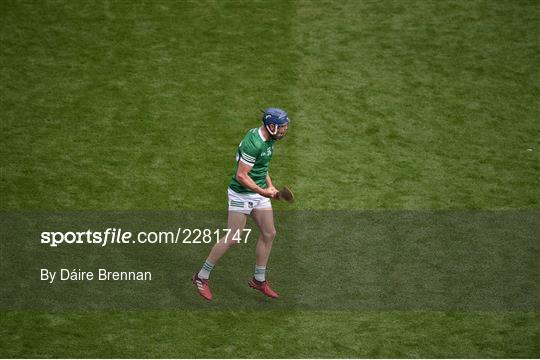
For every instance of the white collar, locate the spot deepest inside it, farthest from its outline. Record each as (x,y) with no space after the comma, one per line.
(261,135)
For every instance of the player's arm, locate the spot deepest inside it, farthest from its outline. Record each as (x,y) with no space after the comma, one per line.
(244,179)
(269,184)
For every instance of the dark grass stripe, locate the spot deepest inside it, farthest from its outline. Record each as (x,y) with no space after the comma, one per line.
(256,334)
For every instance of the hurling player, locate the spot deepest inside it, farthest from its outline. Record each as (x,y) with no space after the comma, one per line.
(250,191)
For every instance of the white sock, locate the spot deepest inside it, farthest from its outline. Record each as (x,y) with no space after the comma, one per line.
(205,270)
(260,273)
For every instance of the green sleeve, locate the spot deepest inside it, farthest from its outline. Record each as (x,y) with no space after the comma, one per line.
(248,152)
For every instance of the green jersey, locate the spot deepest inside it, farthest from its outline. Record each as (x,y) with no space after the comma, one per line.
(255,152)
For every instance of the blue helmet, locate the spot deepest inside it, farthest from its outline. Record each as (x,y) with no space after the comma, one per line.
(276,117)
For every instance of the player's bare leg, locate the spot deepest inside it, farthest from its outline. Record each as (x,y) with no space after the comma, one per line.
(264,218)
(236,223)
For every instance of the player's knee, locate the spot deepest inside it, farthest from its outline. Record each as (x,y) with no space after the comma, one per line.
(269,235)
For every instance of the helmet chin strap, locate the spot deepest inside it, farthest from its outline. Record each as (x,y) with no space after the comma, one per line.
(273,133)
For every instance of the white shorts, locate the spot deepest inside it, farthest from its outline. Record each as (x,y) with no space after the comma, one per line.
(245,203)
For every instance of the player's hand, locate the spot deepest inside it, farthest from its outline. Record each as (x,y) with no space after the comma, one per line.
(270,192)
(273,189)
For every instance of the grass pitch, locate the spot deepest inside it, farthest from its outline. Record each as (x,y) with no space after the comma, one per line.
(418,105)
